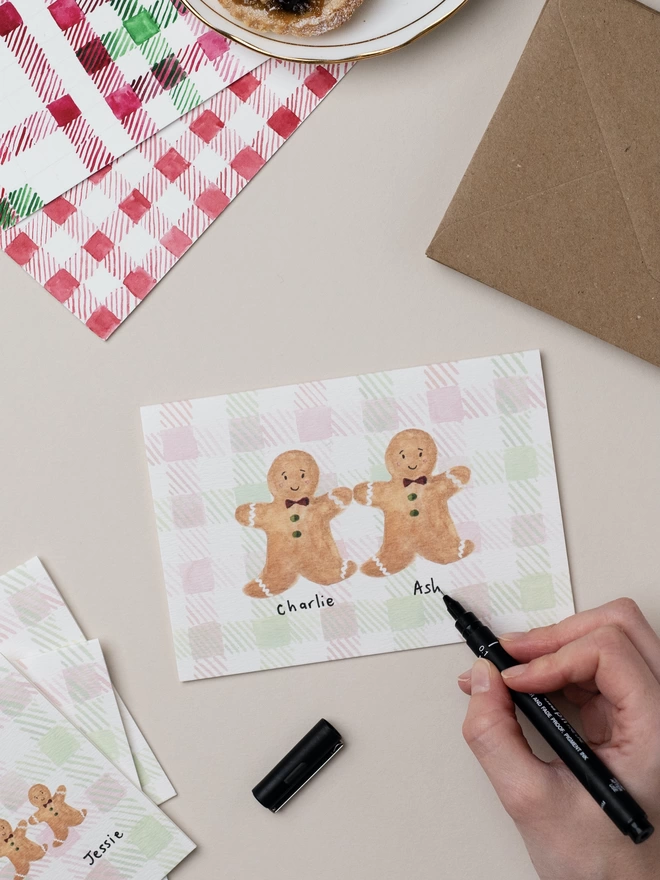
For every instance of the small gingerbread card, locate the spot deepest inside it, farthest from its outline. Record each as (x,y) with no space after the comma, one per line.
(321,521)
(66,812)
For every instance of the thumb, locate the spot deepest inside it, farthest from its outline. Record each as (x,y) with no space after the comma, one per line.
(491,730)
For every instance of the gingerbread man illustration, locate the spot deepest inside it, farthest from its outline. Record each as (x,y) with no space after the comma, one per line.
(54,811)
(297,526)
(18,848)
(417,518)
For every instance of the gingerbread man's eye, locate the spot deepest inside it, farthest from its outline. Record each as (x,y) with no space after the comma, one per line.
(420,454)
(402,455)
(302,474)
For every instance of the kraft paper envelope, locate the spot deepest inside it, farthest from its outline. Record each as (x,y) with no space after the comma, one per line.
(560,207)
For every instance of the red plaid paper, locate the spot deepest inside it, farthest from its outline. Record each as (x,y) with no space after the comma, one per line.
(84,81)
(102,247)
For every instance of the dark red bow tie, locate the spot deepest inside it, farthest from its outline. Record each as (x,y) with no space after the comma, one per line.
(49,801)
(421,480)
(303,501)
(7,839)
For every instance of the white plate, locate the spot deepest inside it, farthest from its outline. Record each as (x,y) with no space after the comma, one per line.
(377,27)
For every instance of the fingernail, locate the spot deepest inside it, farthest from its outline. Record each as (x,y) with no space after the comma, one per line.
(480,677)
(510,637)
(465,676)
(515,671)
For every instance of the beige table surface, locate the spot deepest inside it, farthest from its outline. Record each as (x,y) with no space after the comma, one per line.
(318,270)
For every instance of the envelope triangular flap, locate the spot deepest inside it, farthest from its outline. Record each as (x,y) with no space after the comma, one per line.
(617,47)
(543,134)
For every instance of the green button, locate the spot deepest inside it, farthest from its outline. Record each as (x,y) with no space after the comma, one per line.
(294,518)
(414,512)
(412,496)
(297,534)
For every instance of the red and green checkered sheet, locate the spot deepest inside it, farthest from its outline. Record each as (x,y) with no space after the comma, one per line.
(85,81)
(102,247)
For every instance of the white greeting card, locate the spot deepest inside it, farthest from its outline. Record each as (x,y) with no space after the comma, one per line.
(76,680)
(67,813)
(320,521)
(34,619)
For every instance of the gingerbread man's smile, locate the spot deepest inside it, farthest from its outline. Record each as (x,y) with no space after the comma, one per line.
(411,468)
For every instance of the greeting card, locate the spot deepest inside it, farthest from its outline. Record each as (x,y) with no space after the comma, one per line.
(104,245)
(84,81)
(76,681)
(320,521)
(35,620)
(67,812)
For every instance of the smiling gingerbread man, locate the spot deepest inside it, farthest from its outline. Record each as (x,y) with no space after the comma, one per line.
(18,848)
(297,526)
(417,518)
(54,811)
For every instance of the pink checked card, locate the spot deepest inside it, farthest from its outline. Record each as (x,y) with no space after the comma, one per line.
(101,248)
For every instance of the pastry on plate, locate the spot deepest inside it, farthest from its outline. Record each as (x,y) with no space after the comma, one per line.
(298,17)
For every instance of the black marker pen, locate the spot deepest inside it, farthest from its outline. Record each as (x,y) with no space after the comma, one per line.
(587,767)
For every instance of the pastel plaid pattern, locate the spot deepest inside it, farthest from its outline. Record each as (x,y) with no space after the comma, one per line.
(84,81)
(103,246)
(39,745)
(76,680)
(208,456)
(36,622)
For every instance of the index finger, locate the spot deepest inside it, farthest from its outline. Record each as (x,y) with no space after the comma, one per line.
(622,613)
(607,657)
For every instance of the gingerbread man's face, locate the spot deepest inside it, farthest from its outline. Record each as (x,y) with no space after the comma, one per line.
(293,475)
(5,829)
(39,795)
(411,454)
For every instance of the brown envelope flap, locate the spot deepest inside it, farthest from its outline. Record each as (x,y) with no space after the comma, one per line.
(617,47)
(544,133)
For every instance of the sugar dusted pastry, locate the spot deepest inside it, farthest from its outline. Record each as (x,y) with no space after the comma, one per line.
(298,17)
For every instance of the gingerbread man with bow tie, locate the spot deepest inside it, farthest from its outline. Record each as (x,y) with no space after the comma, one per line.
(297,526)
(54,811)
(16,846)
(415,504)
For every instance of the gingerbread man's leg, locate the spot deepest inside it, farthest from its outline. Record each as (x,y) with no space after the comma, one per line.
(328,568)
(273,580)
(445,552)
(394,555)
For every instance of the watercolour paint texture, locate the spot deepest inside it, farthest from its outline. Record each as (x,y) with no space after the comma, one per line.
(85,81)
(67,812)
(320,521)
(76,681)
(104,245)
(34,619)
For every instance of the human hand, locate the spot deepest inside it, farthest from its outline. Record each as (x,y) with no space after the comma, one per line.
(607,662)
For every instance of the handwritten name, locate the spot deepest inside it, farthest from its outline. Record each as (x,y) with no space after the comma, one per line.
(421,589)
(110,840)
(316,602)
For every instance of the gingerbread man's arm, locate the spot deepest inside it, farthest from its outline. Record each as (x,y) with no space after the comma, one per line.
(452,481)
(19,831)
(334,502)
(252,515)
(371,494)
(60,794)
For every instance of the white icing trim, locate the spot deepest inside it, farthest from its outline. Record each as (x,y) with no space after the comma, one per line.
(344,567)
(454,480)
(337,501)
(380,566)
(253,515)
(461,549)
(370,494)
(263,587)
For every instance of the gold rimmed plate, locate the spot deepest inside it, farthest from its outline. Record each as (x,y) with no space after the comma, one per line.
(378,26)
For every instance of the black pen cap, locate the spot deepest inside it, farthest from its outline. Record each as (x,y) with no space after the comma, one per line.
(298,766)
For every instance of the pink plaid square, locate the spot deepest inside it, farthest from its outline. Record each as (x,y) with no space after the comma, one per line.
(446,404)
